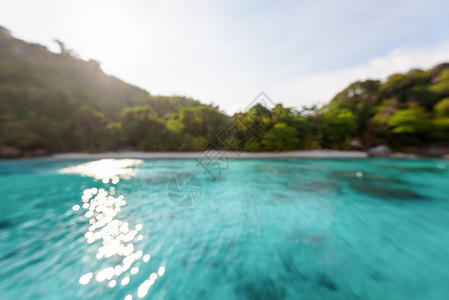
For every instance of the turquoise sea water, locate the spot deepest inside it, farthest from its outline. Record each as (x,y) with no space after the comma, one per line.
(267,229)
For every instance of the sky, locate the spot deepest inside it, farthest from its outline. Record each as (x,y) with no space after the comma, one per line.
(227,52)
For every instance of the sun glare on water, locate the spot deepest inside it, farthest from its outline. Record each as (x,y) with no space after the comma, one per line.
(106,169)
(113,238)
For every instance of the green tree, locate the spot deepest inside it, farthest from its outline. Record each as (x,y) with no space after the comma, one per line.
(442,108)
(411,120)
(281,137)
(339,128)
(143,128)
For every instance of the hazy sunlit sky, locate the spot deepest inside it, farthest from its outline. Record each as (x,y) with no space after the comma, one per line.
(226,52)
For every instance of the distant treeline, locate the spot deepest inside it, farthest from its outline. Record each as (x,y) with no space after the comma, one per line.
(58,103)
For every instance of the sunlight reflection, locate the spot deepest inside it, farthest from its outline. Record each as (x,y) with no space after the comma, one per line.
(112,283)
(142,291)
(86,278)
(105,169)
(113,237)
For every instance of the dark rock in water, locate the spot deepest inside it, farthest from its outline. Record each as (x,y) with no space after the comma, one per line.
(9,255)
(260,290)
(5,224)
(14,252)
(387,192)
(287,261)
(36,260)
(290,266)
(325,282)
(10,152)
(376,276)
(380,151)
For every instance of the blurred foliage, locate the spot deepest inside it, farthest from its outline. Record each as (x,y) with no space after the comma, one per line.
(281,136)
(57,102)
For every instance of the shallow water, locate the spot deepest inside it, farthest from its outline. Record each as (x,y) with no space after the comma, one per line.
(266,229)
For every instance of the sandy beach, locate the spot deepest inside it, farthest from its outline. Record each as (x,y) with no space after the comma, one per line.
(228,154)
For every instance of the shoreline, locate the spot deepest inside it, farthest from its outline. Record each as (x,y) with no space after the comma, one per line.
(312,154)
(225,154)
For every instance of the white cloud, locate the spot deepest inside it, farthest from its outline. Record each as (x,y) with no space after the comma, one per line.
(320,88)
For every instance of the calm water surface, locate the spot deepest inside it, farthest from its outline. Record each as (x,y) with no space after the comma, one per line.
(267,229)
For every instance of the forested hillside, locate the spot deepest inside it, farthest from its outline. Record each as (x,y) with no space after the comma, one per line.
(406,109)
(57,102)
